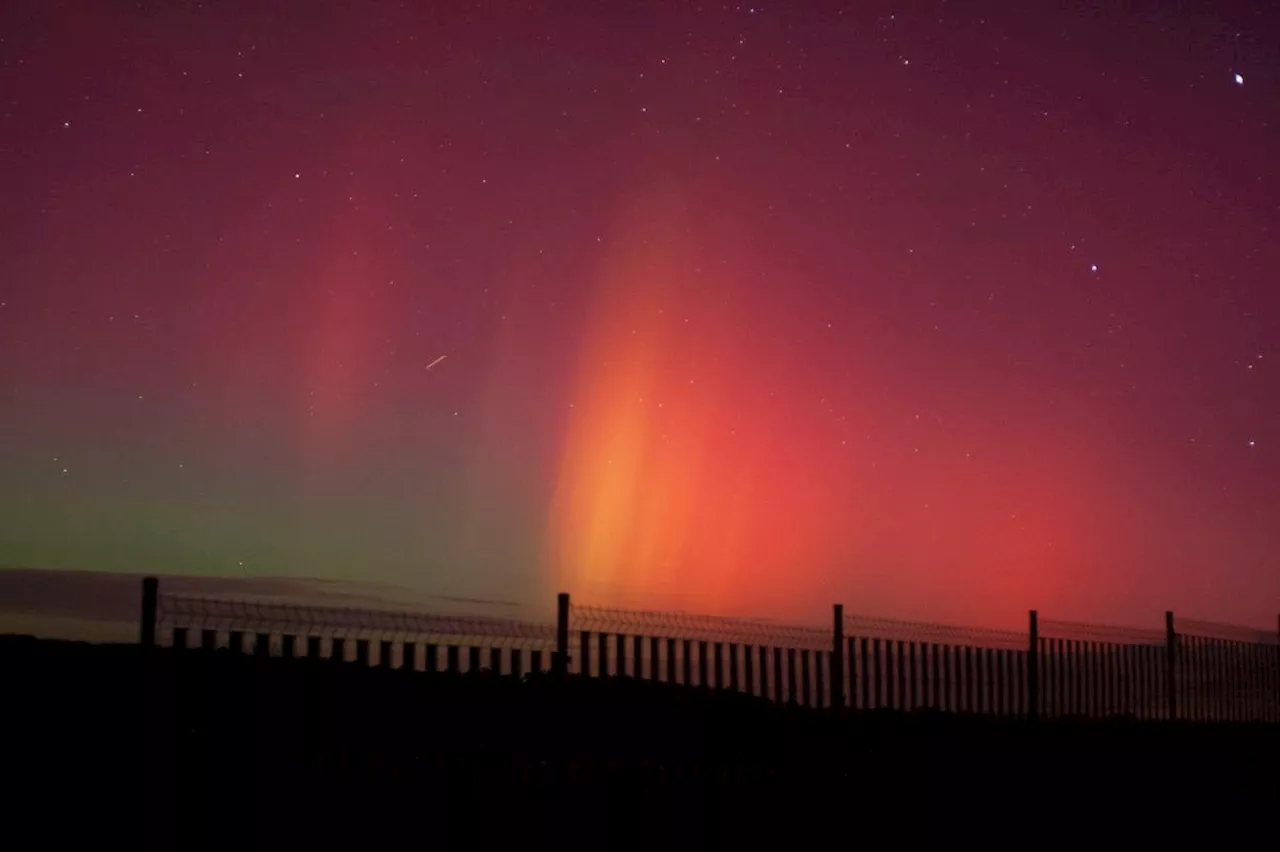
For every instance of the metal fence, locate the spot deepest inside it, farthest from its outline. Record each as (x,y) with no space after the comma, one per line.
(387,638)
(1195,671)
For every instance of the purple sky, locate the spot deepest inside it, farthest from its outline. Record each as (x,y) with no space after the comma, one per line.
(944,310)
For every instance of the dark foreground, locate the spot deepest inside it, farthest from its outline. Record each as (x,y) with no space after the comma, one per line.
(107,747)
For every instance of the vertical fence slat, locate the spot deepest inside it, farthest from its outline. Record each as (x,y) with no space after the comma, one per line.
(1193,691)
(902,676)
(913,676)
(1052,691)
(969,679)
(762,653)
(837,656)
(1019,660)
(1128,678)
(1033,665)
(935,688)
(150,606)
(560,663)
(990,698)
(877,664)
(999,705)
(1170,667)
(1238,681)
(948,677)
(777,674)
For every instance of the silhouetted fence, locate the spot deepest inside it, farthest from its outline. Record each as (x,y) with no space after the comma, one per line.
(388,638)
(1191,670)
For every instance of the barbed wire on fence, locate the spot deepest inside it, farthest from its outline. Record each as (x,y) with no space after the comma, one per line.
(710,628)
(274,616)
(1225,632)
(285,617)
(939,634)
(1080,631)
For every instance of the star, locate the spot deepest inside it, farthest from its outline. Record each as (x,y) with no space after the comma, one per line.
(1239,79)
(1093,267)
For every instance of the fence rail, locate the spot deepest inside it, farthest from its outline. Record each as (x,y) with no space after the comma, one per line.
(1193,670)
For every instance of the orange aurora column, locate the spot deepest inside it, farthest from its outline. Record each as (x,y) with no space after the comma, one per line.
(673,486)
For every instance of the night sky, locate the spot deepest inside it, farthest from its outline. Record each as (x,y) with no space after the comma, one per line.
(942,310)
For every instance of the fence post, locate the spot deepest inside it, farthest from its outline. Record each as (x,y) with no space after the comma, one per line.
(837,657)
(560,666)
(150,597)
(1171,665)
(1033,669)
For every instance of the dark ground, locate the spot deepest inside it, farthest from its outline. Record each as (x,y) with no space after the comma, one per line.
(108,749)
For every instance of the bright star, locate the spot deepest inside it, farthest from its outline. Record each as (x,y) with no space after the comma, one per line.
(1093,267)
(1239,80)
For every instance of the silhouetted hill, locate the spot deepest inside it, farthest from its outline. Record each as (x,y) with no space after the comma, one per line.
(219,751)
